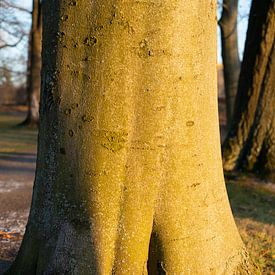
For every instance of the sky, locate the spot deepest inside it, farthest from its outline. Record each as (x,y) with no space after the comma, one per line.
(14,56)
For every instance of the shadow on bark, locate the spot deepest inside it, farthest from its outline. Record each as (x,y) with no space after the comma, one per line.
(4,265)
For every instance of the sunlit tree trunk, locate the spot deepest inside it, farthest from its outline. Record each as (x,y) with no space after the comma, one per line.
(34,66)
(129,145)
(230,55)
(250,144)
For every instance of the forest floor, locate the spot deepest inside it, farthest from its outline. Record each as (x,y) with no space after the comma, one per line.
(252,200)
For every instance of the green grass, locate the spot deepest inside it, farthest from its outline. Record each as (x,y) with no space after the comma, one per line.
(14,138)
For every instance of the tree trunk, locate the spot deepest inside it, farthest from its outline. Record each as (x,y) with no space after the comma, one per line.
(129,144)
(250,144)
(34,66)
(230,54)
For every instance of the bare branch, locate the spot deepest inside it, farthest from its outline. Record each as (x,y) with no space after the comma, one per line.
(10,5)
(12,71)
(14,44)
(14,32)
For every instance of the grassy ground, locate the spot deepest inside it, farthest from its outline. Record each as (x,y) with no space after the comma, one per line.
(253,206)
(14,138)
(252,201)
(17,167)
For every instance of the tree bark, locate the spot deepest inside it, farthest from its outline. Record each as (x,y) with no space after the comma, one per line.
(129,144)
(250,144)
(230,55)
(34,66)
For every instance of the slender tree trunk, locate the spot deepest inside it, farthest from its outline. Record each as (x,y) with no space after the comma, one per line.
(230,54)
(129,144)
(34,66)
(250,144)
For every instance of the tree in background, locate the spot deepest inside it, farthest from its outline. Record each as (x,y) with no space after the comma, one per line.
(12,90)
(230,55)
(34,66)
(250,144)
(129,145)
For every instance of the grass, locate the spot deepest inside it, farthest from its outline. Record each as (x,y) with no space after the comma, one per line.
(13,138)
(253,207)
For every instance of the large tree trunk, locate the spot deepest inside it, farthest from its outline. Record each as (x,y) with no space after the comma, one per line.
(34,66)
(129,144)
(250,143)
(230,54)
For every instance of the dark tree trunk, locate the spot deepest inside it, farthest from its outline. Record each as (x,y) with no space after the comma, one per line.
(250,144)
(34,66)
(230,55)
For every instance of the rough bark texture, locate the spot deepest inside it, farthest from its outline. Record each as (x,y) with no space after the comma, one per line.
(250,143)
(129,145)
(230,54)
(34,66)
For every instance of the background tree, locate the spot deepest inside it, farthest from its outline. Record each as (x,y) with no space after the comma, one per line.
(12,89)
(250,144)
(34,65)
(129,145)
(230,55)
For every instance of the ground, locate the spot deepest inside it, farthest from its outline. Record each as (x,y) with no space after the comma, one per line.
(17,168)
(252,200)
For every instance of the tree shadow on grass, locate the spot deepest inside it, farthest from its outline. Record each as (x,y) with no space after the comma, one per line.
(251,199)
(18,157)
(17,162)
(4,169)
